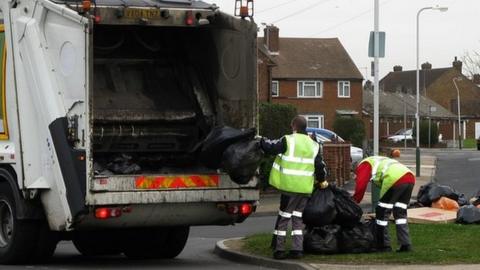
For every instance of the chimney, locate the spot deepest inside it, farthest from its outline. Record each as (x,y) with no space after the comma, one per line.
(397,68)
(426,66)
(476,79)
(271,38)
(457,64)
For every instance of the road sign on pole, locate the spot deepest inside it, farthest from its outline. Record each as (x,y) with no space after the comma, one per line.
(381,46)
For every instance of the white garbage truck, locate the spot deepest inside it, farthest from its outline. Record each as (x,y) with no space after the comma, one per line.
(103,107)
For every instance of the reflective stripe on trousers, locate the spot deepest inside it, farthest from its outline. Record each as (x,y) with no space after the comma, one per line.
(293,204)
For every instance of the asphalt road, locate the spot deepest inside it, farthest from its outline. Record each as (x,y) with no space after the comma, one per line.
(460,170)
(198,254)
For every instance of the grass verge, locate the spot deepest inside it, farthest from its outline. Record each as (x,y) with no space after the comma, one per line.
(433,244)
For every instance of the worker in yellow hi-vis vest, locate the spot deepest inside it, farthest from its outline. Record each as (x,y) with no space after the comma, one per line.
(297,165)
(396,183)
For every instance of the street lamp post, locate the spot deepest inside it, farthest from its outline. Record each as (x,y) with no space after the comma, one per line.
(417,114)
(458,109)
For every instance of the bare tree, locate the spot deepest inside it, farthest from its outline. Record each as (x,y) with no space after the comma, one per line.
(471,63)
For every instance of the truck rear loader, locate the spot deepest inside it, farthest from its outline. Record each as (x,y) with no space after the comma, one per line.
(105,105)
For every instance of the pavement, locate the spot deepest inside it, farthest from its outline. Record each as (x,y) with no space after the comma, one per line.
(268,205)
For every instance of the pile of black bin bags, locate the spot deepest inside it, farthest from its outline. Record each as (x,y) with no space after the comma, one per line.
(235,151)
(333,222)
(469,212)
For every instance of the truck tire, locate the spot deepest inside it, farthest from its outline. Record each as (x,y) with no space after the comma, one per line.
(96,243)
(46,243)
(156,243)
(16,245)
(176,241)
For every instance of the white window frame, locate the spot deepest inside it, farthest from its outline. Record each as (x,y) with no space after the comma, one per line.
(278,88)
(313,117)
(341,90)
(318,89)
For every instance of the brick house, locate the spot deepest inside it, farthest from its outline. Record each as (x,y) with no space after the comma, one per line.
(397,111)
(437,84)
(316,75)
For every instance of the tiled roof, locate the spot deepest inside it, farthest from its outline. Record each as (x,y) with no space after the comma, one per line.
(313,58)
(406,81)
(393,104)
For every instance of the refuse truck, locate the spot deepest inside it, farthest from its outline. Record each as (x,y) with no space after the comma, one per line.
(104,106)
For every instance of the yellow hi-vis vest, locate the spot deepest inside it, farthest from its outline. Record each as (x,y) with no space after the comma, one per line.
(386,172)
(294,170)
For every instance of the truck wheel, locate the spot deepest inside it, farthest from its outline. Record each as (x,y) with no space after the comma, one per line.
(157,243)
(96,243)
(46,243)
(16,245)
(176,241)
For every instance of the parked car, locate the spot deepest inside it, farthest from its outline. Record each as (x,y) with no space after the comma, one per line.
(401,135)
(324,135)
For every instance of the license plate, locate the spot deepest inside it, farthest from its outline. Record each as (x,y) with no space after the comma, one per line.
(136,13)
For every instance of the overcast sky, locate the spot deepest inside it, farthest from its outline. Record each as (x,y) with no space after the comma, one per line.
(443,35)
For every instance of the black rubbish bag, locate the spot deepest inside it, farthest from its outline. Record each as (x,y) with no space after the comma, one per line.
(468,214)
(438,191)
(241,160)
(422,195)
(322,240)
(218,140)
(348,211)
(320,209)
(357,239)
(431,192)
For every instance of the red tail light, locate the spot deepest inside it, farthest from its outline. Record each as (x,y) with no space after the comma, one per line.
(246,209)
(189,19)
(105,212)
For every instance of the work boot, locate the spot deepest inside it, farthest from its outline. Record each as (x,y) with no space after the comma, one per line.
(280,255)
(295,254)
(405,248)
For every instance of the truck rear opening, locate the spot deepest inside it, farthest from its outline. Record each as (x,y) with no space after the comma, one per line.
(156,95)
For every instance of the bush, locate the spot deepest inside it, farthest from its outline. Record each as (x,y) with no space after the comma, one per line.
(274,122)
(350,129)
(275,119)
(424,133)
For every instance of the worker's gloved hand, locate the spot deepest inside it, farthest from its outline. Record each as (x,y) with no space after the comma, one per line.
(322,184)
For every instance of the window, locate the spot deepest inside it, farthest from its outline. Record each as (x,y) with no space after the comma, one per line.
(275,89)
(343,89)
(314,120)
(310,89)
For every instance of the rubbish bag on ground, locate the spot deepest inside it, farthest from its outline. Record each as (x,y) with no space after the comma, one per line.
(241,160)
(438,191)
(322,240)
(218,140)
(348,211)
(320,209)
(468,214)
(357,239)
(432,191)
(422,195)
(446,204)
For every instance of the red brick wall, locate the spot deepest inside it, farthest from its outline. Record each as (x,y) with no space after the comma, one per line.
(470,132)
(445,127)
(327,105)
(263,77)
(337,159)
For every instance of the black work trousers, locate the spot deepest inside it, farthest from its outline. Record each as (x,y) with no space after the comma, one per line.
(291,209)
(396,199)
